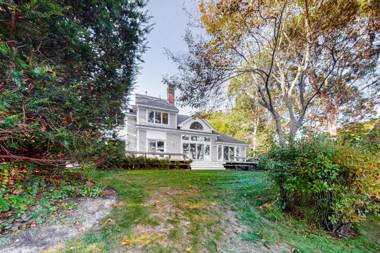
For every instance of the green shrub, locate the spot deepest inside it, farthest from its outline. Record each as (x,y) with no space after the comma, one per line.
(103,153)
(110,154)
(335,183)
(141,163)
(364,135)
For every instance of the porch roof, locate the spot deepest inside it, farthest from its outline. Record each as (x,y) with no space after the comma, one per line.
(228,139)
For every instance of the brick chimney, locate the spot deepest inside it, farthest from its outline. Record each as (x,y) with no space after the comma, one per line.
(171,94)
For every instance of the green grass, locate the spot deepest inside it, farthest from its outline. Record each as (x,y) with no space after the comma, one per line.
(249,194)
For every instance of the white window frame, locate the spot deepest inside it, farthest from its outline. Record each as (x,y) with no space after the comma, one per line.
(219,152)
(189,141)
(194,122)
(154,117)
(156,140)
(222,152)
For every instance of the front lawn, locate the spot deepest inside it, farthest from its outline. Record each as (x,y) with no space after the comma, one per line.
(194,211)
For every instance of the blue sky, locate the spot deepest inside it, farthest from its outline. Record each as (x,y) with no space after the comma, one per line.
(170,22)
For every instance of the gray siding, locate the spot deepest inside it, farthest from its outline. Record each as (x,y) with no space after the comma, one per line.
(173,143)
(131,134)
(142,140)
(173,120)
(141,114)
(214,149)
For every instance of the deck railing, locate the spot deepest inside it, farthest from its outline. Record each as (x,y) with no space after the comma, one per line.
(157,154)
(239,159)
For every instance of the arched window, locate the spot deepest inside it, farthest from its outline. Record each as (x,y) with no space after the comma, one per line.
(196,126)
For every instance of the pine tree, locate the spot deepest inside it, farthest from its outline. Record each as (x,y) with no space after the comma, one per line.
(66,69)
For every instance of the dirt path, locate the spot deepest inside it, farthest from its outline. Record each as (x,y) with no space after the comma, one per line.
(173,213)
(55,231)
(166,218)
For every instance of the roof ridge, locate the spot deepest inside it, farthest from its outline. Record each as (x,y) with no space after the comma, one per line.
(157,98)
(145,100)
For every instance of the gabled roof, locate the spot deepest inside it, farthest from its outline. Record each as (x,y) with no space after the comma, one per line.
(186,119)
(159,103)
(181,118)
(228,139)
(155,103)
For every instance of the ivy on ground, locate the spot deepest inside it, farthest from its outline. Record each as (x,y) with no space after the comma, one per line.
(29,193)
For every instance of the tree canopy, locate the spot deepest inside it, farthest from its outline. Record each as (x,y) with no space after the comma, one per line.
(294,54)
(66,68)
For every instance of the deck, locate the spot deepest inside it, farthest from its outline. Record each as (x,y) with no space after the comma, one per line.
(196,165)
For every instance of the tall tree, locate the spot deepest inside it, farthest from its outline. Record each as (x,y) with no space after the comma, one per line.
(279,43)
(350,93)
(253,119)
(243,122)
(66,68)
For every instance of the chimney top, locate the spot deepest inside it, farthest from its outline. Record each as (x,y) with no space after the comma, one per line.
(171,94)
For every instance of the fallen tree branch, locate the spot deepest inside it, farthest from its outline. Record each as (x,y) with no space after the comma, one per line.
(40,161)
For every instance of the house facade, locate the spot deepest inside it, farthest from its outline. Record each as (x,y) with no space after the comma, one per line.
(154,127)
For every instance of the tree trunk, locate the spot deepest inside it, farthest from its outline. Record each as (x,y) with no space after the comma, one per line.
(279,130)
(254,135)
(294,127)
(331,108)
(12,30)
(332,121)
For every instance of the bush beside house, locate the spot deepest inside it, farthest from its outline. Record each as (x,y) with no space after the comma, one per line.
(326,181)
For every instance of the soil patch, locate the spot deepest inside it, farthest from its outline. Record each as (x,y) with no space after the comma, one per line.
(164,213)
(61,226)
(233,242)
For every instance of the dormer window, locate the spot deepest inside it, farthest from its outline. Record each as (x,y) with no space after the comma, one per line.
(196,126)
(157,117)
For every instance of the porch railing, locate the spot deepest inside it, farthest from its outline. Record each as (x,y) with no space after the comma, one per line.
(157,154)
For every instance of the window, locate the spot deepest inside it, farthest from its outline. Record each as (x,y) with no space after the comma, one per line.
(193,150)
(228,153)
(196,126)
(156,146)
(151,117)
(160,146)
(225,153)
(232,153)
(196,147)
(207,150)
(156,117)
(165,118)
(200,152)
(186,149)
(219,152)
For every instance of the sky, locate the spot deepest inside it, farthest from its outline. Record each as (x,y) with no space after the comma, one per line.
(169,19)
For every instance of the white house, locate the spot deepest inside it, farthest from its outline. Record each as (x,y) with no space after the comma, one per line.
(153,126)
